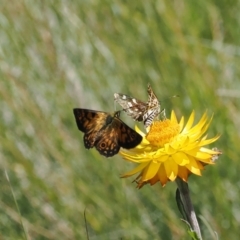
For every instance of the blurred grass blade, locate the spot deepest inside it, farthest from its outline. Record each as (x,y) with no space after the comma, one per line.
(85,219)
(7,177)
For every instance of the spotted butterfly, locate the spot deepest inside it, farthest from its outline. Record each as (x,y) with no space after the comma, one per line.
(138,110)
(106,132)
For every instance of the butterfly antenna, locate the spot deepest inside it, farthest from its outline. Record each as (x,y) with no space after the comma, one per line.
(86,226)
(115,105)
(174,96)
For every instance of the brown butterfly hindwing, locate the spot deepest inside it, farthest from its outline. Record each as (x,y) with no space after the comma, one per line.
(106,132)
(128,138)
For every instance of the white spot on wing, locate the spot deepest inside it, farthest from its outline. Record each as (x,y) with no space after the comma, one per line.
(116,96)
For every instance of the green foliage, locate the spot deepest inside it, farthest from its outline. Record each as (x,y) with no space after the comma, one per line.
(57,55)
(193,235)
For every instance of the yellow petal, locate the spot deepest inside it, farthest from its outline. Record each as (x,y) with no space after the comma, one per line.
(173,117)
(151,170)
(171,169)
(189,122)
(183,173)
(181,124)
(139,168)
(180,158)
(162,175)
(211,140)
(209,151)
(194,166)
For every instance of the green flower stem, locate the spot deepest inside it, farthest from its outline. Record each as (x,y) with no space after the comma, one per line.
(188,207)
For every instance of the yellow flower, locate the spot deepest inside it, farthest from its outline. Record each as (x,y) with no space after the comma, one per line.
(170,150)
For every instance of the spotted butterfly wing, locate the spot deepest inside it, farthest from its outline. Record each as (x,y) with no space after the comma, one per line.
(138,110)
(153,107)
(106,132)
(132,106)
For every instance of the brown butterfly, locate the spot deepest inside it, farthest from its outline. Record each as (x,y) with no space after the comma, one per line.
(106,132)
(138,110)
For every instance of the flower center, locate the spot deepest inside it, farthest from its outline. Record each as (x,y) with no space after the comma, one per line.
(162,132)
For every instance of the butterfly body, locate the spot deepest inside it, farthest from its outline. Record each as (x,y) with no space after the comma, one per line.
(104,131)
(139,110)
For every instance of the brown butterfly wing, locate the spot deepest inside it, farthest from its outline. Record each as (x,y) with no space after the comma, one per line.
(133,107)
(117,134)
(90,122)
(107,144)
(153,107)
(127,137)
(104,131)
(152,98)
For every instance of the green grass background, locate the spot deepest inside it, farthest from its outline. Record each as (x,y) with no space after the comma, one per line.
(57,55)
